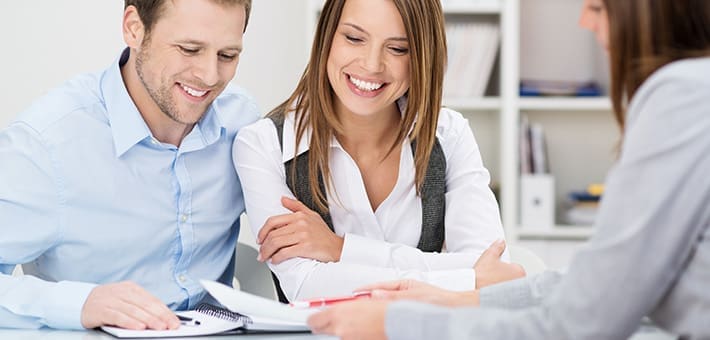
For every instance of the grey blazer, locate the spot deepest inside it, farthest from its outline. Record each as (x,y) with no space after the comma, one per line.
(650,255)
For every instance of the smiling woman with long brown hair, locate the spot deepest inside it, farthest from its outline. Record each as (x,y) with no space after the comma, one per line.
(388,184)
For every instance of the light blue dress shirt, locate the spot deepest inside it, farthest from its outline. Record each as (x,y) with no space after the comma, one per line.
(88,196)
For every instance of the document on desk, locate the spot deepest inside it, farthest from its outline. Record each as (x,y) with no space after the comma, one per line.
(201,324)
(244,314)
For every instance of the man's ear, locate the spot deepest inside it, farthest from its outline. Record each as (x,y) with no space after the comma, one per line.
(133,28)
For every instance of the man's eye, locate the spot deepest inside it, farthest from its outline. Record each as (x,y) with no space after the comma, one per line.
(187,50)
(227,57)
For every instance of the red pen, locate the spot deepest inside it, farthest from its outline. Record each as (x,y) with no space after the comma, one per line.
(327,301)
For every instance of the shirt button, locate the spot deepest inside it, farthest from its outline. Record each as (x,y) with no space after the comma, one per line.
(183,217)
(182,278)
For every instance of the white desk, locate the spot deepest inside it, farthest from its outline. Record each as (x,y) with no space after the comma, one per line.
(97,335)
(18,334)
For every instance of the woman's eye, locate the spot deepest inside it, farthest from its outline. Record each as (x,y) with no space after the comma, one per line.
(353,39)
(399,50)
(595,9)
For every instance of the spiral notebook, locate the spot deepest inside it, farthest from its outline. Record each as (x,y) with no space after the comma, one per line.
(245,314)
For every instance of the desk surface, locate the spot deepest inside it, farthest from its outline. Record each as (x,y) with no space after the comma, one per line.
(98,335)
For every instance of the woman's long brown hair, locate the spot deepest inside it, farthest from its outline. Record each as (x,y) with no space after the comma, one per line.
(312,100)
(645,35)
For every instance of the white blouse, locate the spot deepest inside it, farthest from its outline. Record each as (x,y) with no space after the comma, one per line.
(380,245)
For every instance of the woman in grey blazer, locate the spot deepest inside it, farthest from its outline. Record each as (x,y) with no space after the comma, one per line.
(651,254)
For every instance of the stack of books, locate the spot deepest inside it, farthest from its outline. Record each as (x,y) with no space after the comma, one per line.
(534,88)
(583,205)
(472,48)
(533,148)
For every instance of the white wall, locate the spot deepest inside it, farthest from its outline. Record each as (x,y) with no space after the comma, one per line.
(45,42)
(276,50)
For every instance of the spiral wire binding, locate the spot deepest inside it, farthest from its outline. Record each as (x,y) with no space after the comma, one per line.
(222,313)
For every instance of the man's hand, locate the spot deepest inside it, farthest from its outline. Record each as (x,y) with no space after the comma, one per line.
(352,320)
(302,233)
(491,270)
(126,305)
(420,291)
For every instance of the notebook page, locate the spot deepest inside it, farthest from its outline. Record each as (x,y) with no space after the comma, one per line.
(208,325)
(255,306)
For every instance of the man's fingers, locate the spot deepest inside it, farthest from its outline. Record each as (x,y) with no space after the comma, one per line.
(159,310)
(138,313)
(117,318)
(126,305)
(149,310)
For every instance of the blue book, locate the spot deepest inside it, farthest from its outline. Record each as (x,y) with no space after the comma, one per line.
(537,88)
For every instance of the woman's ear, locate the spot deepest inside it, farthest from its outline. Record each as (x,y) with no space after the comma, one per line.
(133,28)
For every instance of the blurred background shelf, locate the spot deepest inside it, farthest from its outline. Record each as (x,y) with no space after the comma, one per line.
(473,104)
(558,232)
(472,7)
(565,104)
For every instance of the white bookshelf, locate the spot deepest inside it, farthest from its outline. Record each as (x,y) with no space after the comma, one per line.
(599,104)
(557,232)
(580,131)
(539,40)
(472,7)
(473,104)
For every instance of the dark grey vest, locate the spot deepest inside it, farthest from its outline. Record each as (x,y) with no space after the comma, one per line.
(433,194)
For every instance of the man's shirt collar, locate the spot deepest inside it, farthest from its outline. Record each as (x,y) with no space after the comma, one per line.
(127,124)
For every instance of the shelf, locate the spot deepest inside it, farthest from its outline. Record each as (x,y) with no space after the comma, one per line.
(469,7)
(565,104)
(473,104)
(559,232)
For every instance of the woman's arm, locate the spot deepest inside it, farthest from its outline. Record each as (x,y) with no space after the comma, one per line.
(649,229)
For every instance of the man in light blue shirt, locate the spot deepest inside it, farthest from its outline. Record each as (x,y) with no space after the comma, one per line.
(117,189)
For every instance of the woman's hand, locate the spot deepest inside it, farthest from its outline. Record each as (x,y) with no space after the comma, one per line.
(491,270)
(420,291)
(352,320)
(302,233)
